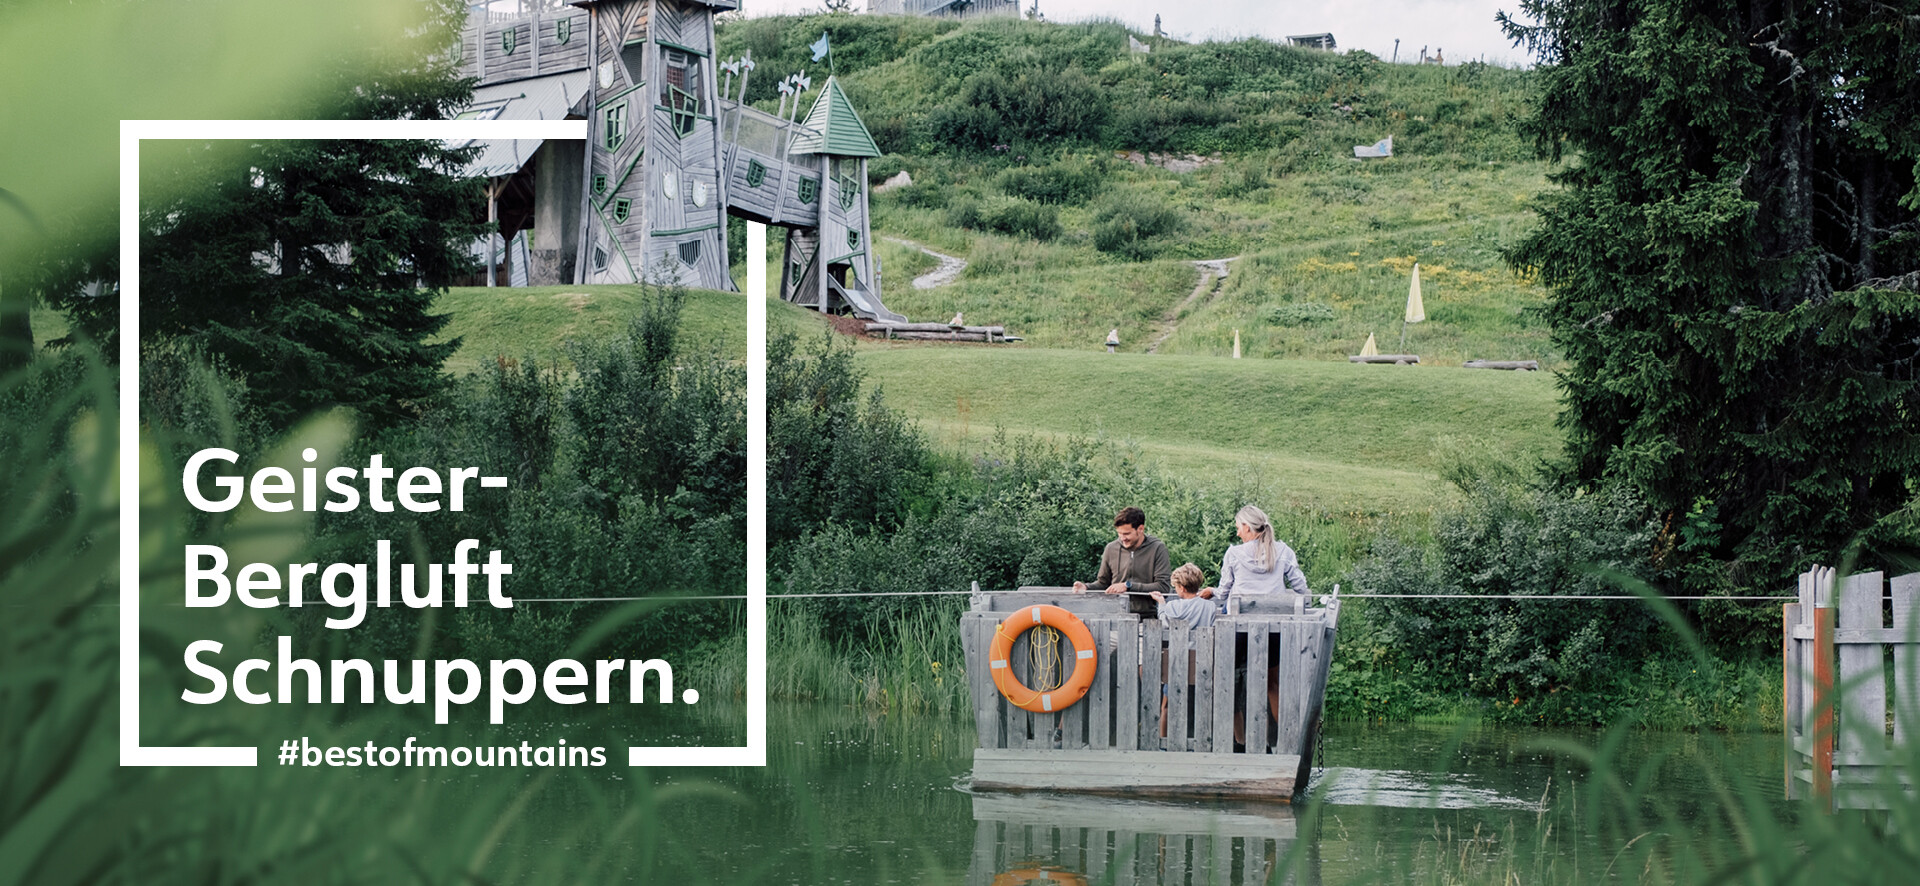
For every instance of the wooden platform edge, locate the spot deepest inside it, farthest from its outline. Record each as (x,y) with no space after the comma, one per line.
(1148,774)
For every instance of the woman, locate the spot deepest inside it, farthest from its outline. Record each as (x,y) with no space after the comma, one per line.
(1261,572)
(1259,568)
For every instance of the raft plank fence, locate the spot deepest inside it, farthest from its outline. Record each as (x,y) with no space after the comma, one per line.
(1115,731)
(1837,686)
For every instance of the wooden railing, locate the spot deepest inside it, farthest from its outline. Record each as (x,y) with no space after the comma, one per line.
(1838,689)
(1210,683)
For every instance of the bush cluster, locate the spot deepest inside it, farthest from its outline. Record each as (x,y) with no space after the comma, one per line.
(1065,183)
(1013,216)
(1557,660)
(1129,225)
(1033,105)
(627,477)
(1299,313)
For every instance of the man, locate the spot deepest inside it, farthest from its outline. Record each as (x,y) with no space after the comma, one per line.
(1135,561)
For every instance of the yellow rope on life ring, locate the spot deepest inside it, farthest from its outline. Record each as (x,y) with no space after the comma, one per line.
(1084,664)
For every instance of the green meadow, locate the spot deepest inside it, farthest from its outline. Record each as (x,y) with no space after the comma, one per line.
(1337,436)
(538,321)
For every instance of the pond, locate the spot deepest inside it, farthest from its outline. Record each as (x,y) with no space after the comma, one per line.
(856,798)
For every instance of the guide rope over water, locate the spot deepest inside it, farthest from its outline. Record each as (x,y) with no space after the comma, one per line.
(1010,686)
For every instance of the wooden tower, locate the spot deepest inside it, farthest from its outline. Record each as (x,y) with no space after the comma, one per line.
(655,207)
(670,155)
(830,263)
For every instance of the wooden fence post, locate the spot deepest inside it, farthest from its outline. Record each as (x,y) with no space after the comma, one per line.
(1824,705)
(1790,684)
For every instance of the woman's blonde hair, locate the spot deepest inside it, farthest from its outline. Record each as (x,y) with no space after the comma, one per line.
(1188,577)
(1256,520)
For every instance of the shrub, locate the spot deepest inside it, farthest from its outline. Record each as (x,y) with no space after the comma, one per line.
(835,453)
(1006,215)
(1129,224)
(1168,125)
(1069,182)
(1510,540)
(1029,104)
(1300,313)
(884,167)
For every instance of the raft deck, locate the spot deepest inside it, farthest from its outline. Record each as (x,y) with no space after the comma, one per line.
(1111,741)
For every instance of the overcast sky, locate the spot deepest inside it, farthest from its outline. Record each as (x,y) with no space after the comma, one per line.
(1463,29)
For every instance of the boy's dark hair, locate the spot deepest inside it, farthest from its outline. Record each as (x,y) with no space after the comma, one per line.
(1130,517)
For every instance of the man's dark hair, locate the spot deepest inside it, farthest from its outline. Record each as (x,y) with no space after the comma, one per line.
(1133,517)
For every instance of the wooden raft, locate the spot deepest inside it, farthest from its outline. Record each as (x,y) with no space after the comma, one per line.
(1837,690)
(1110,742)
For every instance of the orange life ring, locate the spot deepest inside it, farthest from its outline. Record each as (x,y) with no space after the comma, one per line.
(1027,875)
(1019,623)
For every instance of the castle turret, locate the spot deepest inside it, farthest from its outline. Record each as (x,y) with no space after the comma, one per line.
(841,244)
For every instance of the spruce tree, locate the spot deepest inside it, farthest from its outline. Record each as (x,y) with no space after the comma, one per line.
(1733,256)
(311,267)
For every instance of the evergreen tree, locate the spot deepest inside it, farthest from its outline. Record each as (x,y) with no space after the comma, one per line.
(312,267)
(1734,257)
(303,266)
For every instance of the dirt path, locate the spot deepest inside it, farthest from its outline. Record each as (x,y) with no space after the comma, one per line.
(1212,273)
(948,270)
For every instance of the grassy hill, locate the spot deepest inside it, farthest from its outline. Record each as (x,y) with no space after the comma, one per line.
(1026,142)
(1028,147)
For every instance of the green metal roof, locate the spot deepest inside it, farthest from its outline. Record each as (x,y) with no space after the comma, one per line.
(837,130)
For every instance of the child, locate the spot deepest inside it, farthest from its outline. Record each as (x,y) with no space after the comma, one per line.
(1189,611)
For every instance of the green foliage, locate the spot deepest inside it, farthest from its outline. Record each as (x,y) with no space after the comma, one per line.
(626,477)
(387,61)
(1732,269)
(1556,662)
(72,814)
(1129,225)
(1162,125)
(154,62)
(191,401)
(835,454)
(335,315)
(1070,181)
(1035,105)
(1013,216)
(1299,313)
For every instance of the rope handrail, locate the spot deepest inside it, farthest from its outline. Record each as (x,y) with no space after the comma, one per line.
(1341,596)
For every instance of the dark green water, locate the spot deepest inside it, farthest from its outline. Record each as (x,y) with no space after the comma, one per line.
(850,797)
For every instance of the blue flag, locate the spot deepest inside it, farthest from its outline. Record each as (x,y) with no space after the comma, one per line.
(819,47)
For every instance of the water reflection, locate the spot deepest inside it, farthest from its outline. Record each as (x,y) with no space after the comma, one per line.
(851,797)
(1414,790)
(1049,838)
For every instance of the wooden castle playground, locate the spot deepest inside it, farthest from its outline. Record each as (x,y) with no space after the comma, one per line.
(1078,709)
(672,152)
